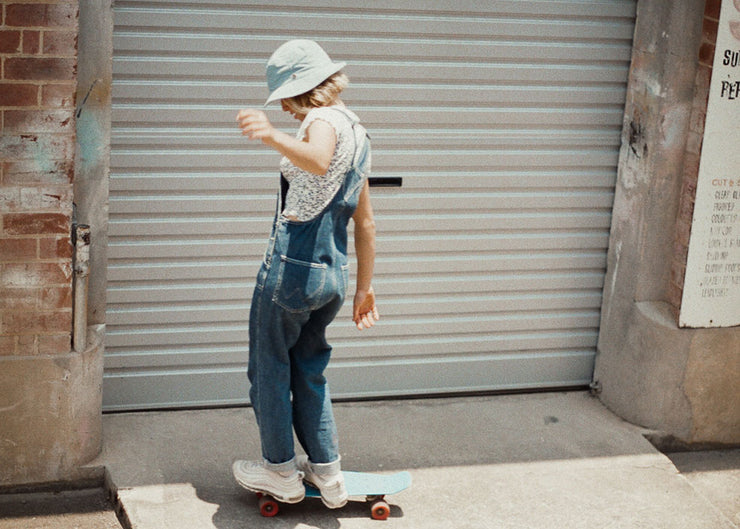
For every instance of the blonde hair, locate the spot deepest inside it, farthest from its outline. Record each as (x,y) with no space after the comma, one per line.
(323,95)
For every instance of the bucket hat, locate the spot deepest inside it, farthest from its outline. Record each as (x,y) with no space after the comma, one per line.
(296,67)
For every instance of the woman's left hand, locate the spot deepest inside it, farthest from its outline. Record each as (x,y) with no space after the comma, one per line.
(254,124)
(365,313)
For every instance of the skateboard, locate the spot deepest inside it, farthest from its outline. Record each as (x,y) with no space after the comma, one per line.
(361,486)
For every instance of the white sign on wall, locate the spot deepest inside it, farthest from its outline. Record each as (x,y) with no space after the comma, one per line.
(711,292)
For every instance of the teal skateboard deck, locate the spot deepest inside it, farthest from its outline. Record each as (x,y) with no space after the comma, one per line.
(362,486)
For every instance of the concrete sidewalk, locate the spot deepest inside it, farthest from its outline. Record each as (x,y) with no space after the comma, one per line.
(556,460)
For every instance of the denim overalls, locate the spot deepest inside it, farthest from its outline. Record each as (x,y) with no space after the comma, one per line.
(300,288)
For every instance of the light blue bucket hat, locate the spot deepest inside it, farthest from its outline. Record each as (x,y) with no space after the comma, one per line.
(297,67)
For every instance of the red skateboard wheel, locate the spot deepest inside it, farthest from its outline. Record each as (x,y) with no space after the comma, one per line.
(380,510)
(268,506)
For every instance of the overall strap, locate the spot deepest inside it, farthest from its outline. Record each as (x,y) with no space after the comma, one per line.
(353,123)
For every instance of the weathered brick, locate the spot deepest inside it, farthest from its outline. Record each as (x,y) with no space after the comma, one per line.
(26,345)
(30,322)
(697,120)
(709,30)
(706,54)
(17,249)
(60,248)
(35,146)
(10,41)
(60,43)
(35,274)
(674,297)
(686,208)
(701,86)
(712,8)
(7,345)
(681,254)
(691,164)
(38,172)
(40,68)
(36,223)
(59,95)
(19,298)
(54,343)
(19,95)
(693,143)
(32,121)
(688,187)
(56,298)
(31,41)
(683,232)
(41,15)
(676,274)
(46,198)
(10,198)
(679,270)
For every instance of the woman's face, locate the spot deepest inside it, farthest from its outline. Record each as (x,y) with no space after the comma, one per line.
(286,108)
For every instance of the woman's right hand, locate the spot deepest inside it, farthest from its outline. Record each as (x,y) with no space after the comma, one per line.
(254,124)
(313,154)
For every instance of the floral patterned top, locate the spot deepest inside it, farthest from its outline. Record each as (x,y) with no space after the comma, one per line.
(310,193)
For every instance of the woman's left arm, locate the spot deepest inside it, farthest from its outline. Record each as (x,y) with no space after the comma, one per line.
(312,154)
(365,312)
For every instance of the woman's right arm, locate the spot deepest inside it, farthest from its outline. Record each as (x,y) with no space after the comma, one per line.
(312,154)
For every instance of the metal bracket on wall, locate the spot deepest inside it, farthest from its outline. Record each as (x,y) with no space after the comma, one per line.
(384,181)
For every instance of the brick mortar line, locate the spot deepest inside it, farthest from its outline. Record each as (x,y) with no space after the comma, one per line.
(37,56)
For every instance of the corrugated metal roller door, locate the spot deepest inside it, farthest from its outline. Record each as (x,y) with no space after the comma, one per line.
(503,118)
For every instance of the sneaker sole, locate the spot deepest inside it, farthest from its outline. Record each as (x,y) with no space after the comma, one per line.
(279,497)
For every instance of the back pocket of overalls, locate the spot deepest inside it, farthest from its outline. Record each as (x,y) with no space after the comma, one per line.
(300,285)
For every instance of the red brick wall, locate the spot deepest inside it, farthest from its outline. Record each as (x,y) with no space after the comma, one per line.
(693,152)
(38,52)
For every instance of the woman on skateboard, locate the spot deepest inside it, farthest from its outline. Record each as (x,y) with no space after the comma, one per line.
(302,282)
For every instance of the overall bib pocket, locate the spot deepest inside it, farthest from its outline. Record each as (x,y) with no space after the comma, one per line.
(300,285)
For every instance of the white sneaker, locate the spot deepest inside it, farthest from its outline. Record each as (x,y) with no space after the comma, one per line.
(286,487)
(331,485)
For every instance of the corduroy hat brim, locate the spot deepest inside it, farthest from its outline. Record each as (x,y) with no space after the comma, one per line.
(297,67)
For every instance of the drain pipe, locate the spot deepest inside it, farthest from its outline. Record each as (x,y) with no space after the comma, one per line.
(81,234)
